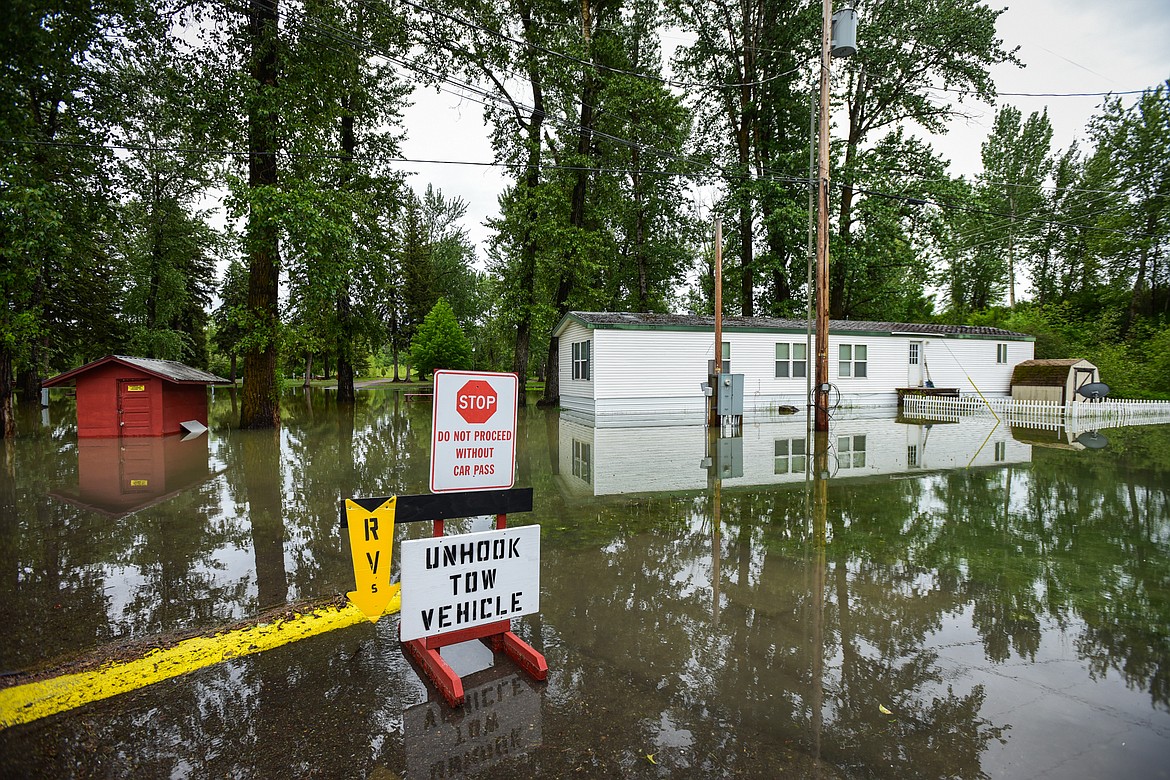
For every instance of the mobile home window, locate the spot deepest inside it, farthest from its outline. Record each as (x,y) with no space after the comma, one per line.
(790,456)
(726,355)
(851,452)
(852,361)
(914,346)
(1001,353)
(791,361)
(583,460)
(581,360)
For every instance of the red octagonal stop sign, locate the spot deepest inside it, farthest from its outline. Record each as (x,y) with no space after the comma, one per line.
(476,401)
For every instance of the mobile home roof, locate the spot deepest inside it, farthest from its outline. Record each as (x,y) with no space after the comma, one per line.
(646,321)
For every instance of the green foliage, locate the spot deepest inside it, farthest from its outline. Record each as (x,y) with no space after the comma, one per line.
(1135,365)
(439,342)
(106,252)
(905,51)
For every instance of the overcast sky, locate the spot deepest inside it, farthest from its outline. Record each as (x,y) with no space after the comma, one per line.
(1067,46)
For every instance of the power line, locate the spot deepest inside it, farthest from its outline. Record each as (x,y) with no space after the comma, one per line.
(496,100)
(1044,94)
(1013,217)
(339,156)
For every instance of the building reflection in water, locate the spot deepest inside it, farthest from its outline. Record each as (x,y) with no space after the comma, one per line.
(603,461)
(120,476)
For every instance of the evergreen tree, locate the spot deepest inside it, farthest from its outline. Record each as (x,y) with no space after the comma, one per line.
(440,342)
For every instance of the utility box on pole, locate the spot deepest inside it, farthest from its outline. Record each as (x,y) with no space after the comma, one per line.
(843,35)
(729,396)
(726,394)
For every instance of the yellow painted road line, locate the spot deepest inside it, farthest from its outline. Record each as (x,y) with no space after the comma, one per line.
(29,702)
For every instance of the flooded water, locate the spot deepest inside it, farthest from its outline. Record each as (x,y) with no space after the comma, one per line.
(960,600)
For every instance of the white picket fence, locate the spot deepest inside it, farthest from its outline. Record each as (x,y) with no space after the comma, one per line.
(1075,417)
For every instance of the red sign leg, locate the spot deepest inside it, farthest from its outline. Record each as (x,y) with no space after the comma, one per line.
(525,656)
(442,675)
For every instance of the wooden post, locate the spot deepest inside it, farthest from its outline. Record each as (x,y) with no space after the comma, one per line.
(712,405)
(718,295)
(822,367)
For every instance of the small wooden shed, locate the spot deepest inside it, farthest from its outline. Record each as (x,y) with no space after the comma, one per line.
(131,396)
(1053,380)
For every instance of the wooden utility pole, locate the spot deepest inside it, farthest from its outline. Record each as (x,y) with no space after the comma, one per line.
(718,295)
(821,422)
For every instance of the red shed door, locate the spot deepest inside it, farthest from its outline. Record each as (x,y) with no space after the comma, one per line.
(134,407)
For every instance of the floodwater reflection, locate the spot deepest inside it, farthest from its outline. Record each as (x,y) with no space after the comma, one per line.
(965,604)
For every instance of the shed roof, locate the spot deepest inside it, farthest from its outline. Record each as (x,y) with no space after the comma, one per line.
(169,370)
(644,321)
(1049,372)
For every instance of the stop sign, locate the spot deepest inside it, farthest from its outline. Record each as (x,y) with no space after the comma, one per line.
(476,401)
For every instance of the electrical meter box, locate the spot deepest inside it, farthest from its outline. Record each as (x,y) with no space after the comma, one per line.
(727,395)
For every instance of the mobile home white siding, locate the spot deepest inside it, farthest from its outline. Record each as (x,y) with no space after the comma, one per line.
(576,394)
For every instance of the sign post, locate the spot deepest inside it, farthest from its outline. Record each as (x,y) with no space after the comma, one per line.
(470,580)
(473,433)
(470,586)
(371,542)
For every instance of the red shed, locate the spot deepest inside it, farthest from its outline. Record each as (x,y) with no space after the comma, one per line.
(130,396)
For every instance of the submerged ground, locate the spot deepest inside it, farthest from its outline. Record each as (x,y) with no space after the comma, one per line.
(969,601)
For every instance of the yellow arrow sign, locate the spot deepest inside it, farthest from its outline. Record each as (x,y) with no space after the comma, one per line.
(371,541)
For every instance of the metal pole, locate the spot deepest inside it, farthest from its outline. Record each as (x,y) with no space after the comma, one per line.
(822,372)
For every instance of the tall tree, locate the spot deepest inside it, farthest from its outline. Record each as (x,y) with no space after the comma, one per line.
(343,123)
(58,103)
(745,59)
(911,57)
(1135,140)
(1016,163)
(260,405)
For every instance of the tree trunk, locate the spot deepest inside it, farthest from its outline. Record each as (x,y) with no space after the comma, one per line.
(527,280)
(345,391)
(640,255)
(261,402)
(30,386)
(29,380)
(747,121)
(552,375)
(589,91)
(839,272)
(308,381)
(7,393)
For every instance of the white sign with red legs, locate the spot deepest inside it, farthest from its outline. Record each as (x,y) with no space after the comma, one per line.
(473,436)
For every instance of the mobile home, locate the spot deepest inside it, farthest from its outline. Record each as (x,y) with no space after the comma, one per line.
(651,366)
